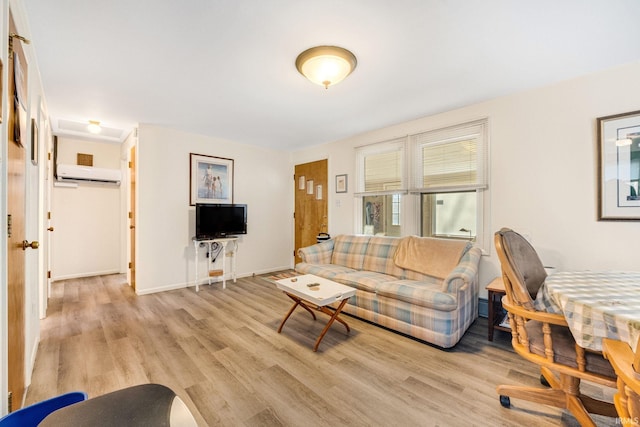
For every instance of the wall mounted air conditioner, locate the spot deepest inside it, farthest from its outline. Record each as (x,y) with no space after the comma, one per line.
(88,173)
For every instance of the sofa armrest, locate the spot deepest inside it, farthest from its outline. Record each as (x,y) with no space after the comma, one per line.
(320,253)
(466,272)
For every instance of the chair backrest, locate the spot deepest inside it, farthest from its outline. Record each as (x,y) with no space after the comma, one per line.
(31,416)
(624,360)
(522,270)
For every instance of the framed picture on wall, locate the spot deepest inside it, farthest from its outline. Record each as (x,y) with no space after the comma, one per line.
(211,179)
(341,183)
(619,167)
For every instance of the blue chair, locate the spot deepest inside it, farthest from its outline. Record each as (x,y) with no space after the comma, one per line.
(32,415)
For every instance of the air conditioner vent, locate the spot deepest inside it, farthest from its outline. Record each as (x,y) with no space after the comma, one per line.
(88,173)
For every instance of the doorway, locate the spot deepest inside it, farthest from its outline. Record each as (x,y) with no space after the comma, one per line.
(132,217)
(310,215)
(16,238)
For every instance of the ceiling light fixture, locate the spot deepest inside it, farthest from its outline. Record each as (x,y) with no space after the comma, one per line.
(326,65)
(94,126)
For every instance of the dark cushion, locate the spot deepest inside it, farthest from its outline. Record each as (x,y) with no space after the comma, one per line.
(142,405)
(564,348)
(525,261)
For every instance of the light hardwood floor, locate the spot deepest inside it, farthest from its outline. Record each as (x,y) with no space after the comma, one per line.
(220,352)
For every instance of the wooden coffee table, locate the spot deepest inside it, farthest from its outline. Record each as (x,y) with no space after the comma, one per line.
(313,292)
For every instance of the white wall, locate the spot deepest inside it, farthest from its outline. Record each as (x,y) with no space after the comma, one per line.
(87,219)
(263,179)
(543,170)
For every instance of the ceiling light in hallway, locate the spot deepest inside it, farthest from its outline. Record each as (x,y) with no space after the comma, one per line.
(94,126)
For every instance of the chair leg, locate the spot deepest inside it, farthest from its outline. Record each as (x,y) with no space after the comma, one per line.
(552,380)
(577,409)
(564,394)
(551,397)
(581,405)
(595,406)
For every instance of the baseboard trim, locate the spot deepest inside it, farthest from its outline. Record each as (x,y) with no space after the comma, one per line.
(80,275)
(483,307)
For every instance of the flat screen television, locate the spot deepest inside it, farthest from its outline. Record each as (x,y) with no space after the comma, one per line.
(220,220)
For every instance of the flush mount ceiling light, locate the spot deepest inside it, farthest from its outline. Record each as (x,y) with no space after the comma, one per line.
(326,65)
(94,126)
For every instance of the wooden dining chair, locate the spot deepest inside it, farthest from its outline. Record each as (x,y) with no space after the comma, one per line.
(545,339)
(626,364)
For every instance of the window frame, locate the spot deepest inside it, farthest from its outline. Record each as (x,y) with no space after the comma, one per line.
(411,176)
(459,132)
(395,144)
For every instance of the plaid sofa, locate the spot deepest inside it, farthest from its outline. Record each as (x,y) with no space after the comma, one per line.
(430,309)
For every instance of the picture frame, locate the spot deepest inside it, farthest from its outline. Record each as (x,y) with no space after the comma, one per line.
(210,179)
(619,167)
(341,183)
(34,142)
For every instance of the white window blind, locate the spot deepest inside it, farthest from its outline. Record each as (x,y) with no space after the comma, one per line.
(451,159)
(382,168)
(382,172)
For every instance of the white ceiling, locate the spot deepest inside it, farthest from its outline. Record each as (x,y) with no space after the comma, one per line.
(225,68)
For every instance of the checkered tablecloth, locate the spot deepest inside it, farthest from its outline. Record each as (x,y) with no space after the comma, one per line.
(596,305)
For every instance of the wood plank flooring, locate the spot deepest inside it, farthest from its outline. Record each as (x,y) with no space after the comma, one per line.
(220,352)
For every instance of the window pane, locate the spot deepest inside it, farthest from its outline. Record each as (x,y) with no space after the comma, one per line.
(377,215)
(395,209)
(449,215)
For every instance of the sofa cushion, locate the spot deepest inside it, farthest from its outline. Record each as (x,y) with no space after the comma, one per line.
(349,251)
(426,293)
(379,256)
(365,280)
(328,271)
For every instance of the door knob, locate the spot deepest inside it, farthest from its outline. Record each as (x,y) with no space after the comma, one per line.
(131,227)
(32,245)
(50,228)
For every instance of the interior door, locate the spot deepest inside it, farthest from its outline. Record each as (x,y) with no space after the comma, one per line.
(16,185)
(132,217)
(48,222)
(310,203)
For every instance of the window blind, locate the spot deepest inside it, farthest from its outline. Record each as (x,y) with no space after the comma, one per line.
(382,168)
(383,172)
(451,159)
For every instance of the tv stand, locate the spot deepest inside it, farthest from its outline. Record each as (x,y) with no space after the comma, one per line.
(209,243)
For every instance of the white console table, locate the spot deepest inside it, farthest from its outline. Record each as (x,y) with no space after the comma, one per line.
(210,244)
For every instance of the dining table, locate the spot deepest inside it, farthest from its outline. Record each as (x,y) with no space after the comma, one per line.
(595,304)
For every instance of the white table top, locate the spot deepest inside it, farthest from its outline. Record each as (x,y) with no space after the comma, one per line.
(325,293)
(596,305)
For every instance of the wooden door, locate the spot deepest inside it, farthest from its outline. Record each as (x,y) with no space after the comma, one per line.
(132,216)
(310,183)
(49,223)
(16,185)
